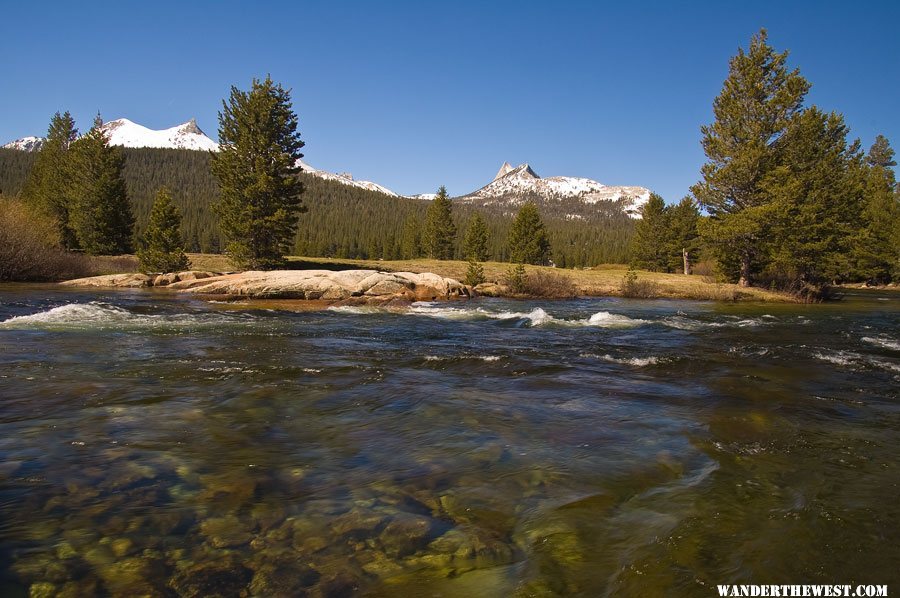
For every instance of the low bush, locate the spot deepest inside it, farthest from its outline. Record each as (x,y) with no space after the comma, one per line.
(30,250)
(540,283)
(545,283)
(636,288)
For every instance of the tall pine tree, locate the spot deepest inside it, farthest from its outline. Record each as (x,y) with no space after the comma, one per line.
(650,245)
(100,213)
(163,247)
(877,250)
(475,244)
(48,185)
(439,237)
(410,243)
(814,209)
(256,166)
(683,237)
(528,242)
(756,105)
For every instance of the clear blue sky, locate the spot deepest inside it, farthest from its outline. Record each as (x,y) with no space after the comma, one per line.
(413,95)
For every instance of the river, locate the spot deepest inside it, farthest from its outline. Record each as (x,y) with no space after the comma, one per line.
(163,446)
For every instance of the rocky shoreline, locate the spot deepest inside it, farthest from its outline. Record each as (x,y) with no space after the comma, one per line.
(356,286)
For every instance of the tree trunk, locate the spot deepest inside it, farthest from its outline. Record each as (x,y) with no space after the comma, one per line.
(685,256)
(745,270)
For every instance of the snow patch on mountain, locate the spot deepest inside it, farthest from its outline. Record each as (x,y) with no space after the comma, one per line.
(346,178)
(185,136)
(26,144)
(513,185)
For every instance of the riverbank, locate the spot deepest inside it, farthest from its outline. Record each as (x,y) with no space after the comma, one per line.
(607,280)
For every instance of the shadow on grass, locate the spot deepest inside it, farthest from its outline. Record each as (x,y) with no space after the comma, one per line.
(334,266)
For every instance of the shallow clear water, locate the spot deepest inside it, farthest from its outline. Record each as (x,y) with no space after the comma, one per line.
(159,446)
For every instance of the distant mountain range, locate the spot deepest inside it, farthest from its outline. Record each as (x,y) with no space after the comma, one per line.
(511,187)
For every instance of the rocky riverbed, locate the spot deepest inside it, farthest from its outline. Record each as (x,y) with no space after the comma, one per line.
(367,286)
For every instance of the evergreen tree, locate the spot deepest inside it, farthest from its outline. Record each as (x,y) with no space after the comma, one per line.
(528,243)
(411,247)
(877,249)
(100,213)
(683,237)
(47,186)
(474,273)
(651,244)
(256,166)
(440,231)
(475,245)
(757,102)
(163,249)
(814,209)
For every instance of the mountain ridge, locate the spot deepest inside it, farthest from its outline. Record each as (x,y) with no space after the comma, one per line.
(510,187)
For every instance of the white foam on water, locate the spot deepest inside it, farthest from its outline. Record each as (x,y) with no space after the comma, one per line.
(354,309)
(101,315)
(604,319)
(885,343)
(634,361)
(857,360)
(73,313)
(486,358)
(537,317)
(840,358)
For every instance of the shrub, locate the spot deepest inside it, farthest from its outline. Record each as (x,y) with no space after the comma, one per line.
(539,283)
(516,278)
(30,249)
(29,244)
(544,283)
(636,288)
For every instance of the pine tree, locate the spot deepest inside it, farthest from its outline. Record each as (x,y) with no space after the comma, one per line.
(47,186)
(877,248)
(411,247)
(814,209)
(474,273)
(256,166)
(651,244)
(757,102)
(475,244)
(163,249)
(683,237)
(528,243)
(439,236)
(100,213)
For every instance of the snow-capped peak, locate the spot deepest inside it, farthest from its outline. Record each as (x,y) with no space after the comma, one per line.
(512,185)
(185,136)
(26,144)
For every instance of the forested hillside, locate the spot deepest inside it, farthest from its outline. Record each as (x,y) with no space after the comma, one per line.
(344,221)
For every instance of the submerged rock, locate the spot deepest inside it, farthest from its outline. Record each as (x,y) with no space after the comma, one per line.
(283,579)
(406,534)
(222,578)
(225,532)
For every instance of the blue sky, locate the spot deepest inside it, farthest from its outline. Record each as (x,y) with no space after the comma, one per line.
(414,95)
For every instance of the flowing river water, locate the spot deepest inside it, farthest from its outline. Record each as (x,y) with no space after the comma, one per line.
(162,446)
